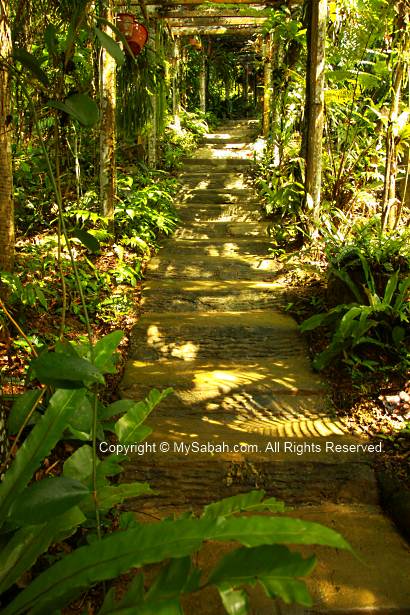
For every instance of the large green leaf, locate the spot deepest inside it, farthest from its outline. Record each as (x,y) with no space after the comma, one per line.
(104,352)
(89,241)
(246,565)
(79,465)
(291,591)
(107,559)
(42,439)
(150,543)
(80,107)
(251,501)
(56,369)
(129,428)
(112,495)
(46,499)
(21,409)
(234,600)
(30,62)
(313,322)
(172,579)
(111,46)
(258,530)
(275,565)
(29,542)
(82,417)
(134,595)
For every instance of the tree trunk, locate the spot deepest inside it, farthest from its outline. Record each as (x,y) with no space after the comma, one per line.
(315,80)
(267,85)
(6,176)
(6,182)
(107,125)
(202,83)
(391,208)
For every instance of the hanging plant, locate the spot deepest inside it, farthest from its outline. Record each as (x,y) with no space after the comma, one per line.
(135,33)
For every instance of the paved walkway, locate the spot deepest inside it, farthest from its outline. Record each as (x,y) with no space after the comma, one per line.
(243,384)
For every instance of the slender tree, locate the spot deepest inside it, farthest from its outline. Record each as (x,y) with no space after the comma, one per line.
(315,80)
(107,124)
(6,177)
(390,203)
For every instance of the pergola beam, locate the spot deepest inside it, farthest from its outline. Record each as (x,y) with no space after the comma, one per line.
(175,13)
(170,3)
(214,30)
(216,21)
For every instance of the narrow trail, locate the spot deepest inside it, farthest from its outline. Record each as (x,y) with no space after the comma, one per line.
(242,381)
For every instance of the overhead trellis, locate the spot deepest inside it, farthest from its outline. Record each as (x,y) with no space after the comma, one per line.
(215,18)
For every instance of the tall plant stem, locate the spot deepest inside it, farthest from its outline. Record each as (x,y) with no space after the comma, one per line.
(19,329)
(59,200)
(57,192)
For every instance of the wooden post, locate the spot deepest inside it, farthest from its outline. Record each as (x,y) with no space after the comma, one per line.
(267,84)
(108,171)
(152,135)
(202,82)
(176,96)
(246,87)
(315,82)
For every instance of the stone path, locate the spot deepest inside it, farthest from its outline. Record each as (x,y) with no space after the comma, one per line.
(242,382)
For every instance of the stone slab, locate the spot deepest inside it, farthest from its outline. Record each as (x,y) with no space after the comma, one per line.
(211,263)
(213,181)
(183,483)
(213,335)
(203,295)
(201,213)
(218,196)
(206,380)
(228,164)
(224,230)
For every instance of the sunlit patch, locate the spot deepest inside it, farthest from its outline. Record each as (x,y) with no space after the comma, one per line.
(153,335)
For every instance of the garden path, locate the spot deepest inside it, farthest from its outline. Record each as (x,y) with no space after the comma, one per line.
(242,380)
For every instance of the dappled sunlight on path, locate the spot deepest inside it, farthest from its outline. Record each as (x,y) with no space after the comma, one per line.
(247,411)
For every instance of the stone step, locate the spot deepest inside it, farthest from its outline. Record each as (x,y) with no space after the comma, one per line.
(238,259)
(229,138)
(218,196)
(224,230)
(213,173)
(213,267)
(183,482)
(205,335)
(198,381)
(232,182)
(254,247)
(223,164)
(226,152)
(204,295)
(222,212)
